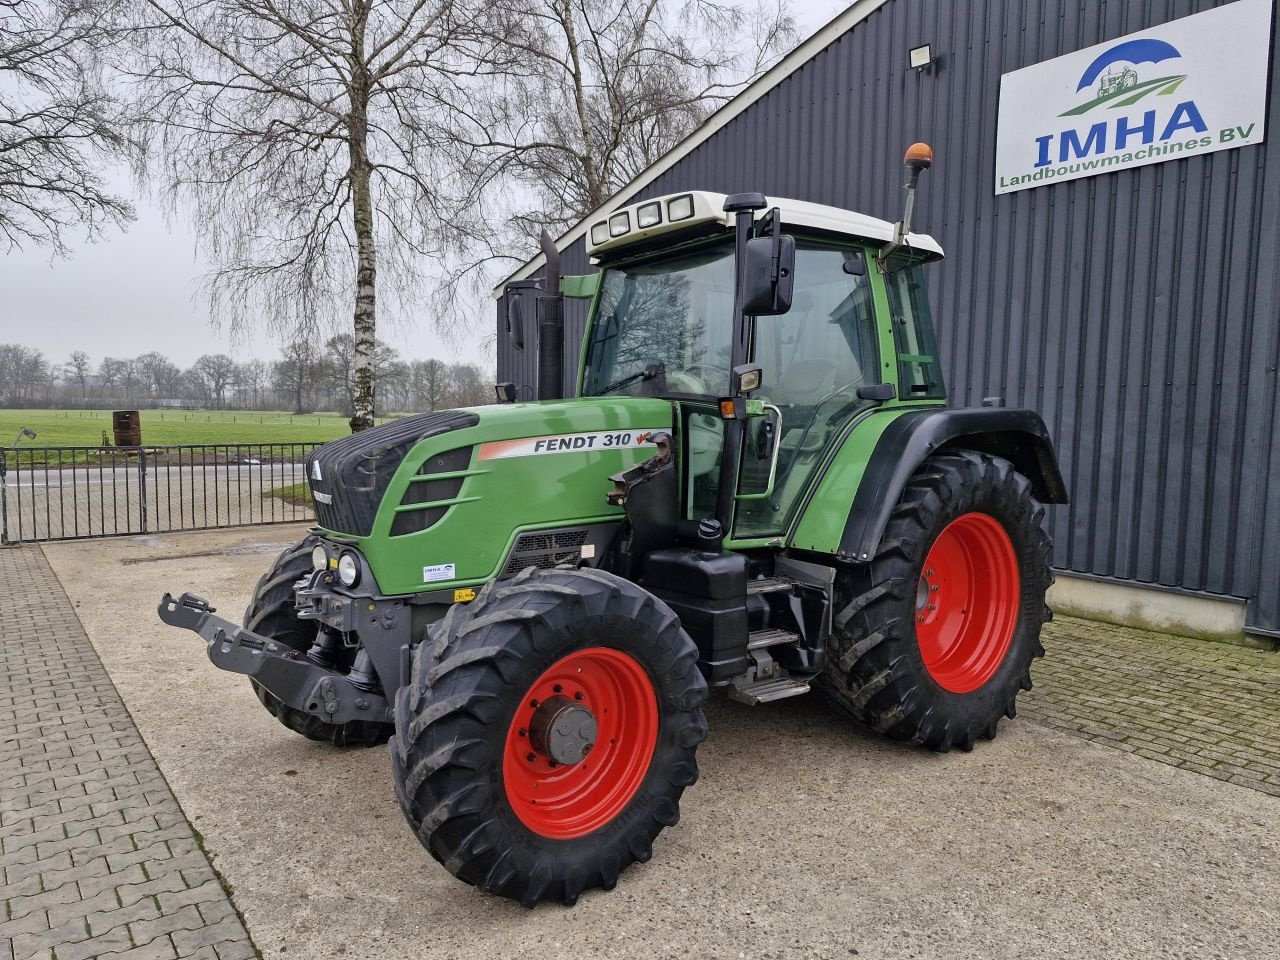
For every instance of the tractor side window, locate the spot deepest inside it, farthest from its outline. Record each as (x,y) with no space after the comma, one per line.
(919,372)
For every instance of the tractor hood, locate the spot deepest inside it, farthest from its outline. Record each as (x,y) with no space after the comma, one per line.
(439,499)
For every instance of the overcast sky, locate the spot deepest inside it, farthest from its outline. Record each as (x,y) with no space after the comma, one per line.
(136,291)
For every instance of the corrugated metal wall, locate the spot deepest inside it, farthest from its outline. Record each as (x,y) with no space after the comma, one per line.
(1139,311)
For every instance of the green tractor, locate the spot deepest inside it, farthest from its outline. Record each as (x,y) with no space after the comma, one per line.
(755,485)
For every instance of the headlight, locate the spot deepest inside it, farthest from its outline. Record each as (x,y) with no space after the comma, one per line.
(680,208)
(600,233)
(319,557)
(348,570)
(649,215)
(619,224)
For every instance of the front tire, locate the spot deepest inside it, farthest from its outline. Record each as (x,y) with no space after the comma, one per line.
(548,733)
(271,614)
(935,636)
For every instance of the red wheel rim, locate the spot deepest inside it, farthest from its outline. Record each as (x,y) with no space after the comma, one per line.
(967,602)
(571,800)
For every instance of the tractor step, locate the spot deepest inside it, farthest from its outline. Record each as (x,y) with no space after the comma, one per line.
(770,637)
(768,690)
(769,586)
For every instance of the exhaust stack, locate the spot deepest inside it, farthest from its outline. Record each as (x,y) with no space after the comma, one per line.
(550,326)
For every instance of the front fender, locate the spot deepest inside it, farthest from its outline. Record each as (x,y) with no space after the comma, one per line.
(1018,436)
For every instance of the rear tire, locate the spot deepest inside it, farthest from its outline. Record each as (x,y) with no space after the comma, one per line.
(471,769)
(271,614)
(934,637)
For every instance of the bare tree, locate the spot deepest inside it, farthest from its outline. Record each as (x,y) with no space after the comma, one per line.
(601,89)
(158,375)
(59,125)
(250,380)
(23,372)
(306,137)
(430,382)
(340,362)
(294,375)
(77,369)
(215,371)
(468,387)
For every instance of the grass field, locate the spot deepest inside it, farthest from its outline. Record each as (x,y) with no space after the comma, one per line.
(83,428)
(298,494)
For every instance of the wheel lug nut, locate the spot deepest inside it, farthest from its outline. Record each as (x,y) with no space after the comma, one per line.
(534,704)
(531,757)
(932,607)
(921,619)
(579,695)
(558,688)
(524,732)
(934,588)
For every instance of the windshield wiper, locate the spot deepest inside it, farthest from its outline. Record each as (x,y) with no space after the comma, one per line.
(650,372)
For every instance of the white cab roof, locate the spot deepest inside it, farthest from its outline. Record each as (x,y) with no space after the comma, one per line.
(709,208)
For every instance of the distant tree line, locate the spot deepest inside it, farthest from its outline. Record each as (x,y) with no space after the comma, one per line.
(305,378)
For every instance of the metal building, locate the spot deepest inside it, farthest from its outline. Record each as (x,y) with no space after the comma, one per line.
(1138,310)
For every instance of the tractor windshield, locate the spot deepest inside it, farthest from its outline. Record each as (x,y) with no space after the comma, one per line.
(663,328)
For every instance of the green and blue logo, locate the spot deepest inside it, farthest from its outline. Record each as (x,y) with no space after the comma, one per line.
(1116,75)
(1118,86)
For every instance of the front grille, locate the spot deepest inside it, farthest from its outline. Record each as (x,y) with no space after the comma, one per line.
(431,491)
(545,549)
(354,471)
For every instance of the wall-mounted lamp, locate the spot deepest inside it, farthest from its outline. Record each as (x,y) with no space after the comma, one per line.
(921,57)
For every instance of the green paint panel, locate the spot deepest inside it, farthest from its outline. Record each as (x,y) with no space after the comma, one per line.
(823,522)
(509,488)
(582,287)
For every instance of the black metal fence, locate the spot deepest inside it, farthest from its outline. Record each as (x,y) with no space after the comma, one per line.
(68,493)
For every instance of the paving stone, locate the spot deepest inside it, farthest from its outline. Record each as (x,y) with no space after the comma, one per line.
(230,930)
(158,949)
(107,920)
(96,858)
(1210,708)
(205,892)
(188,919)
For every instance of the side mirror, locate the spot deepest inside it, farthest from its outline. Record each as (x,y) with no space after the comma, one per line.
(515,321)
(515,311)
(768,277)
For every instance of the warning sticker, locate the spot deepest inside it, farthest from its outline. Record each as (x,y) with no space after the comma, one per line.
(568,443)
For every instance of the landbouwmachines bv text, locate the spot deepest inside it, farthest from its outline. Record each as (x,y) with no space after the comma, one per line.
(755,485)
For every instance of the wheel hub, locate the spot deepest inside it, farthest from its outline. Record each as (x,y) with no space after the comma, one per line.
(580,742)
(563,731)
(967,601)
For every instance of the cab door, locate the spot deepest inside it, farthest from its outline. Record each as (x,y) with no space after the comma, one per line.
(814,358)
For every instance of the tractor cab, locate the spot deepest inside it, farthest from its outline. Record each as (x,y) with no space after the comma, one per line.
(854,333)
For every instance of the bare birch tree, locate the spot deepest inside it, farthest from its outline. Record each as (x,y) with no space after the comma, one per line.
(59,125)
(596,92)
(307,140)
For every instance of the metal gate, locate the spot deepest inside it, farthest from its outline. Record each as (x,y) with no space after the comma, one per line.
(69,493)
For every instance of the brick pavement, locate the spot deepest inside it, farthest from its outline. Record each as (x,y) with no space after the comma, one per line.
(1212,708)
(96,857)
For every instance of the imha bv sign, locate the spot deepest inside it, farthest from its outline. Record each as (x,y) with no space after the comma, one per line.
(1190,86)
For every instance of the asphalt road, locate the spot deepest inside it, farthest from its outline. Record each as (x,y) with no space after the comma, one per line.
(806,836)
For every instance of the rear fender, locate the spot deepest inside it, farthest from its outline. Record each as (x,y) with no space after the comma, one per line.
(1018,436)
